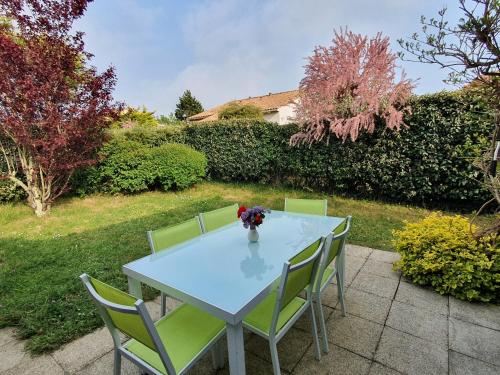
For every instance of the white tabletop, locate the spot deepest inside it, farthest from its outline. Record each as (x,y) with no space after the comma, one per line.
(222,272)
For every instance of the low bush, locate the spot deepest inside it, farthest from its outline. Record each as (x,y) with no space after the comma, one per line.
(10,192)
(129,167)
(441,252)
(126,167)
(177,166)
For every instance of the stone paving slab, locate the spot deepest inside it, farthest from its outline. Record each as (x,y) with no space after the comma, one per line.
(366,305)
(354,262)
(355,334)
(421,323)
(79,353)
(384,256)
(475,341)
(358,251)
(7,335)
(476,313)
(463,365)
(392,327)
(378,369)
(44,364)
(380,286)
(104,365)
(291,348)
(337,361)
(304,322)
(411,355)
(330,296)
(375,267)
(422,298)
(11,355)
(254,366)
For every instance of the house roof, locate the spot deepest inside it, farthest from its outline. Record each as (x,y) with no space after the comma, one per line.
(267,103)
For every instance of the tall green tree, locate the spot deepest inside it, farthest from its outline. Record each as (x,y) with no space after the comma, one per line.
(188,106)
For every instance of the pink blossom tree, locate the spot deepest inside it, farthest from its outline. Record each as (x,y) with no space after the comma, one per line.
(348,87)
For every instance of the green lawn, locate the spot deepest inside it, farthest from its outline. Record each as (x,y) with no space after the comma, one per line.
(41,259)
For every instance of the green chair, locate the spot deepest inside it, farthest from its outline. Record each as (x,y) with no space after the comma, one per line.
(212,220)
(170,346)
(277,313)
(164,238)
(332,265)
(306,206)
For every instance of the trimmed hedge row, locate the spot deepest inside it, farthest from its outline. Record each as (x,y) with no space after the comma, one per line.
(427,163)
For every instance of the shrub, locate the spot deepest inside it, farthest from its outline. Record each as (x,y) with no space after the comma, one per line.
(10,192)
(241,111)
(178,166)
(135,117)
(441,252)
(128,166)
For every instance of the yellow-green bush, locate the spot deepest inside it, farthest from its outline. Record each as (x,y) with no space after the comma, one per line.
(440,251)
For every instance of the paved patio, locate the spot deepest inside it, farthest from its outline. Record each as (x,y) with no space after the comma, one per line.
(392,327)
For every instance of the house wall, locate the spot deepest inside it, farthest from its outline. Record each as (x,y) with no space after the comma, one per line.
(286,114)
(272,116)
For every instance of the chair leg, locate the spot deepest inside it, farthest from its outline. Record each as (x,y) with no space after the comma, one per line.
(340,292)
(117,369)
(317,352)
(322,324)
(215,357)
(274,357)
(220,354)
(163,299)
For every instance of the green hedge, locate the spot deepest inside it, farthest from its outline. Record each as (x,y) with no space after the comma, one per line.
(427,163)
(128,166)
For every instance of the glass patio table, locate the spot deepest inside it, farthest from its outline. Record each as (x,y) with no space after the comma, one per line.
(224,274)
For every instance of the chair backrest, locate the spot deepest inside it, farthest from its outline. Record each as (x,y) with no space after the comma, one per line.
(334,247)
(306,206)
(336,243)
(298,274)
(127,314)
(212,220)
(163,238)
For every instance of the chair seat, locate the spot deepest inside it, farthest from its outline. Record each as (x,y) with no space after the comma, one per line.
(261,316)
(185,332)
(329,271)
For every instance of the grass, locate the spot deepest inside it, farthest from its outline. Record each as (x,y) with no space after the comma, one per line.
(41,259)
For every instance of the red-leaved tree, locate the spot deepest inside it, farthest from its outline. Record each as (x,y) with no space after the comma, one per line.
(54,107)
(348,87)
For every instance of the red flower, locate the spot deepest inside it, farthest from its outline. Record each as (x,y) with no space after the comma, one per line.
(258,219)
(241,210)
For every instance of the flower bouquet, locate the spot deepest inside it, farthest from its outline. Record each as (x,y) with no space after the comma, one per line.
(252,218)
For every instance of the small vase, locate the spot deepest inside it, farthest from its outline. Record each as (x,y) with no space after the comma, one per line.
(253,235)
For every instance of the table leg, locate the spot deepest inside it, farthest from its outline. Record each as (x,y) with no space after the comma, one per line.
(236,349)
(134,287)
